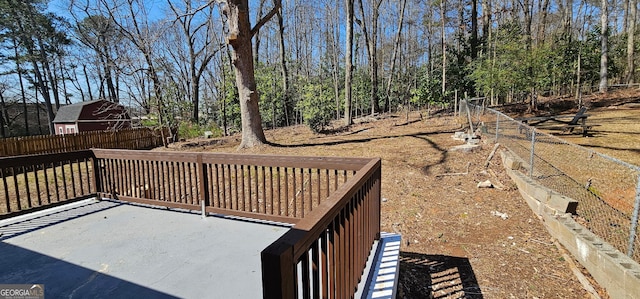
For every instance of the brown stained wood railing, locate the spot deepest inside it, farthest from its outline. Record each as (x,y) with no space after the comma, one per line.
(273,188)
(334,203)
(324,254)
(29,183)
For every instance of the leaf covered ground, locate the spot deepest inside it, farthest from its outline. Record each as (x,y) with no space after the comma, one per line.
(459,241)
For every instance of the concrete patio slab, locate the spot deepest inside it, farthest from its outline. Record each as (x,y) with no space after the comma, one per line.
(106,249)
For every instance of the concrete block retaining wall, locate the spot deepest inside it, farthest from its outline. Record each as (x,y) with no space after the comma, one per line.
(613,270)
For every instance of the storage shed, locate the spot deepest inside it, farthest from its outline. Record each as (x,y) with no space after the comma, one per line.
(98,115)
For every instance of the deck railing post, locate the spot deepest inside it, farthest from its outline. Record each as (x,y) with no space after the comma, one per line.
(278,270)
(97,173)
(203,184)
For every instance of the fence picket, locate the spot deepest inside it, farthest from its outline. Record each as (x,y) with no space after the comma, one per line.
(44,144)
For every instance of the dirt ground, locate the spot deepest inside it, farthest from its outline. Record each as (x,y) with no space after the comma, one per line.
(459,241)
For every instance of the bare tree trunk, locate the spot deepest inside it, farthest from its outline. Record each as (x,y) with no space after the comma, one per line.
(544,11)
(239,37)
(486,21)
(86,78)
(256,46)
(604,36)
(335,68)
(372,50)
(526,9)
(38,107)
(444,48)
(579,78)
(283,65)
(3,114)
(22,91)
(44,90)
(633,12)
(396,45)
(627,15)
(47,72)
(106,63)
(76,83)
(474,29)
(348,64)
(64,81)
(567,15)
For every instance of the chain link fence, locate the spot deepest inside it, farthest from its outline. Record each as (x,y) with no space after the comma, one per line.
(607,189)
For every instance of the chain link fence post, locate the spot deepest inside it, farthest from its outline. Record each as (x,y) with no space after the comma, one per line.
(497,126)
(533,146)
(634,220)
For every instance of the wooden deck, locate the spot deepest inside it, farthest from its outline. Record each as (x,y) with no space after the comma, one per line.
(333,204)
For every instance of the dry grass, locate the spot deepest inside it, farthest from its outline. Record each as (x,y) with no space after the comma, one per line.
(618,133)
(453,244)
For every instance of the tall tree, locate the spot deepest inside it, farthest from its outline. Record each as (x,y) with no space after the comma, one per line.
(371,39)
(99,34)
(474,29)
(35,33)
(283,64)
(604,44)
(394,54)
(348,63)
(4,115)
(239,37)
(19,72)
(199,39)
(543,13)
(444,46)
(631,32)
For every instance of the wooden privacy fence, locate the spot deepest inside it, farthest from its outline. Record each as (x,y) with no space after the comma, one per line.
(139,138)
(332,203)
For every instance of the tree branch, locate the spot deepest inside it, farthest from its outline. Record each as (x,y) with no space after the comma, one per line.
(266,18)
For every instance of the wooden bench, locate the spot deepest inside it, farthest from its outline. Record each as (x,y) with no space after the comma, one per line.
(579,120)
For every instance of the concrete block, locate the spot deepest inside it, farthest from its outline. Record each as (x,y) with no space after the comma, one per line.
(562,203)
(535,205)
(536,191)
(613,270)
(632,285)
(511,163)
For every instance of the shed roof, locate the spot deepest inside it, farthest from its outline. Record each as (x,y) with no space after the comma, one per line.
(71,113)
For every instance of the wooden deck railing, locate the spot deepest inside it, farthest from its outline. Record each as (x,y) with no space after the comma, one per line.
(40,181)
(324,255)
(333,203)
(272,188)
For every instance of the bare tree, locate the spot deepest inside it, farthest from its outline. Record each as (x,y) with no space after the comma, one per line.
(394,54)
(4,115)
(444,46)
(199,39)
(99,33)
(371,39)
(283,64)
(543,13)
(604,40)
(239,37)
(348,64)
(631,31)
